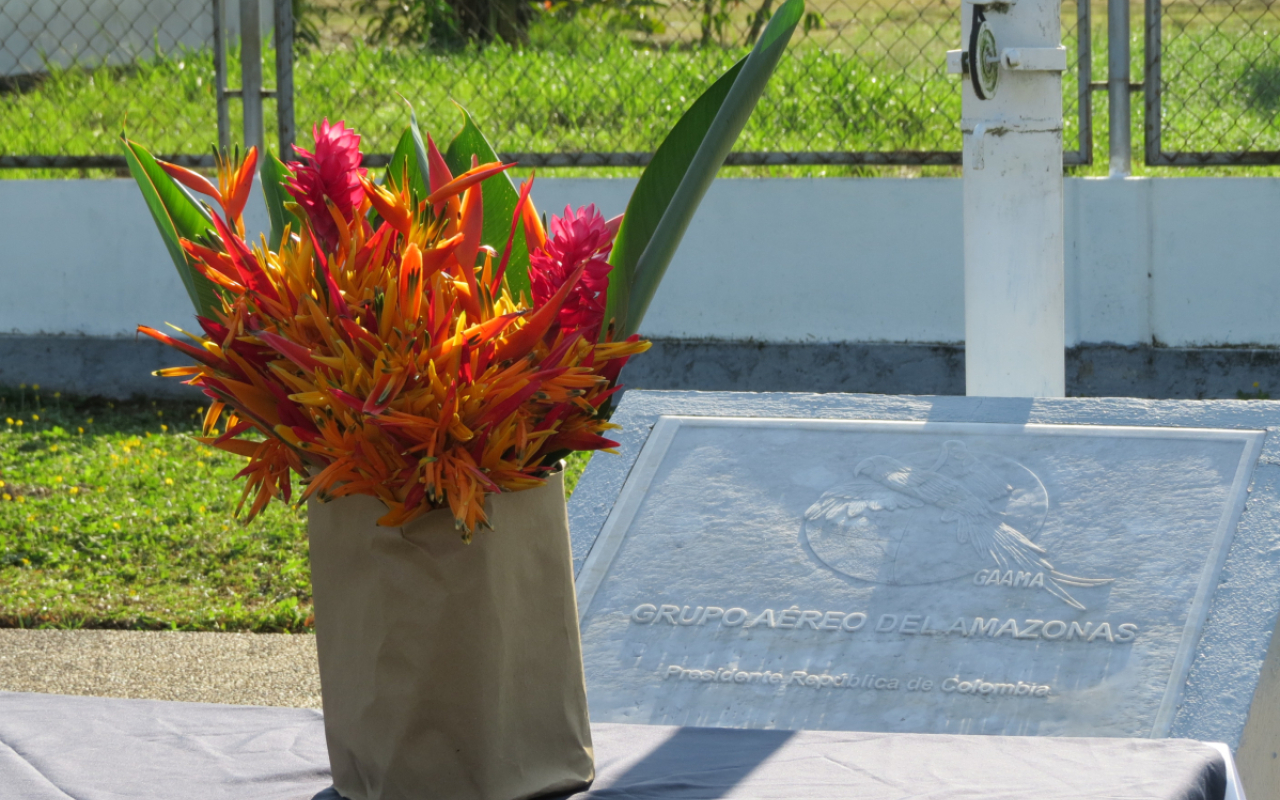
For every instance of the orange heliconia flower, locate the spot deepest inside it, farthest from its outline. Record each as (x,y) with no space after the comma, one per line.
(395,361)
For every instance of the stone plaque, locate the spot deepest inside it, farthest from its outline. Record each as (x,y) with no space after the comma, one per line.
(909,574)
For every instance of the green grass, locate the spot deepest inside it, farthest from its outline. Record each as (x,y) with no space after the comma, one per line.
(112,516)
(614,99)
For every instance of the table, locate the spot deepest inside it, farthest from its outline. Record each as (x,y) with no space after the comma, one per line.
(90,748)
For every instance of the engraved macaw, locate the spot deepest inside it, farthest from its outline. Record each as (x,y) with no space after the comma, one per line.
(955,461)
(977,523)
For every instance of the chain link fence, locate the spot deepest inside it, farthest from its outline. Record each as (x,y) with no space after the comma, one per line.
(598,82)
(565,82)
(72,72)
(1213,82)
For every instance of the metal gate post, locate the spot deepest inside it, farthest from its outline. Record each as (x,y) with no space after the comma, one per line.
(1084,86)
(1118,110)
(284,77)
(220,75)
(251,72)
(1014,307)
(1151,84)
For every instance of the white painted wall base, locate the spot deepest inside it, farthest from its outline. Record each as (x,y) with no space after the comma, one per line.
(1183,262)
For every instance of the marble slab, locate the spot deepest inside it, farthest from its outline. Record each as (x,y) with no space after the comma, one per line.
(936,565)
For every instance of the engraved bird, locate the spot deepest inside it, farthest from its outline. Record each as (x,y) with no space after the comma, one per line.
(955,461)
(976,522)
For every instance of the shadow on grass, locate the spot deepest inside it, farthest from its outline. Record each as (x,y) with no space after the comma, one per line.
(1261,84)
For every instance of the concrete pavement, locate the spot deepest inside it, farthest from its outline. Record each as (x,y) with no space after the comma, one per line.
(235,668)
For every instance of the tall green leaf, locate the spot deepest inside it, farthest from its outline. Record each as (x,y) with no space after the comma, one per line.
(274,176)
(178,216)
(500,201)
(419,150)
(681,171)
(405,156)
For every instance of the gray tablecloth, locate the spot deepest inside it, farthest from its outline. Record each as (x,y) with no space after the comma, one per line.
(88,748)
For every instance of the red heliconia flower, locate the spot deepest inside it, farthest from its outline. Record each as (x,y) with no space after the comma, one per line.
(577,238)
(332,171)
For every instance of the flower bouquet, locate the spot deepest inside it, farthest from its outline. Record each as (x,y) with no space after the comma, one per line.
(420,352)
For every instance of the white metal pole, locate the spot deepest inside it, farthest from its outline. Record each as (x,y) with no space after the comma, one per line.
(251,72)
(1013,239)
(1121,147)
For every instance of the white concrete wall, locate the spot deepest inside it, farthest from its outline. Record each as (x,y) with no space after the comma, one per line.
(1185,262)
(91,32)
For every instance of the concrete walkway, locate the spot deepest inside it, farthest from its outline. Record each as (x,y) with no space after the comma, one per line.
(237,668)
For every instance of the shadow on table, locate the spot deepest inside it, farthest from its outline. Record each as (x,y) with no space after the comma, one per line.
(701,763)
(698,763)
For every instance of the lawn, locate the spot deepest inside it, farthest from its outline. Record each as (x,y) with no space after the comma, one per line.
(113,516)
(865,75)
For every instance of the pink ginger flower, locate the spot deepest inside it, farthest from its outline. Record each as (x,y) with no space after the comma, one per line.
(577,238)
(332,172)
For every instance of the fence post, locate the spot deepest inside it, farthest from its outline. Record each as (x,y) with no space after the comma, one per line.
(220,75)
(1084,82)
(1118,110)
(1151,83)
(284,77)
(251,72)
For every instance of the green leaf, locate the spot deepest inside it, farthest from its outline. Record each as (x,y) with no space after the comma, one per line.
(405,155)
(682,169)
(419,150)
(177,216)
(274,177)
(500,200)
(653,195)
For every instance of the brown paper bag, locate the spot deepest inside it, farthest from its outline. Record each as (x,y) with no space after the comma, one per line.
(450,671)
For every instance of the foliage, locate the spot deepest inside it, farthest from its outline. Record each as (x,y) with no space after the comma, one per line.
(308,18)
(1257,393)
(448,23)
